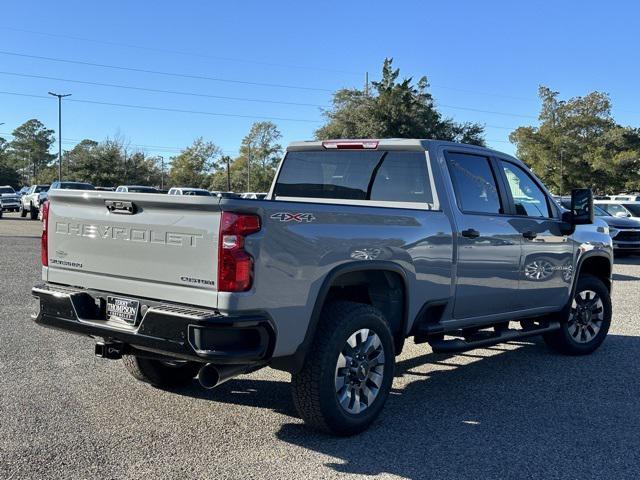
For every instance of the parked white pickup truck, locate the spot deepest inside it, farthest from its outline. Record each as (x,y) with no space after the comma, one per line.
(30,202)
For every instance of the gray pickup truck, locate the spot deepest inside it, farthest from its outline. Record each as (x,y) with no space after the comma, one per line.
(359,245)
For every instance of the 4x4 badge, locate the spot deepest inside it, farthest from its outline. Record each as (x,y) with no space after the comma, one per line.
(293,217)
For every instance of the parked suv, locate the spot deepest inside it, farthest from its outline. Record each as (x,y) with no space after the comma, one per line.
(359,245)
(30,202)
(620,208)
(624,231)
(9,199)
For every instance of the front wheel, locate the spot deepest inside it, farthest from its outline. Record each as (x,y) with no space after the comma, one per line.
(33,212)
(23,211)
(589,319)
(347,374)
(163,374)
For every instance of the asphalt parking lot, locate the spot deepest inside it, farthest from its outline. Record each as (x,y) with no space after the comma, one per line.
(511,411)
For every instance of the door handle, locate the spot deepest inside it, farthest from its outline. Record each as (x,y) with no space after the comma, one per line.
(529,235)
(470,233)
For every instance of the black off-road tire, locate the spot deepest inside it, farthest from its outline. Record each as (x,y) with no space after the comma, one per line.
(563,342)
(314,391)
(33,212)
(160,374)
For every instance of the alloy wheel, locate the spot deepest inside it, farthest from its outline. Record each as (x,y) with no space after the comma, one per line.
(586,316)
(359,371)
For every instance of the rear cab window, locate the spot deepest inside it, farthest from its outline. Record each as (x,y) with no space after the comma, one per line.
(381,178)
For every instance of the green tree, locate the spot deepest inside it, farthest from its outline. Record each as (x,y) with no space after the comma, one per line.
(29,149)
(107,164)
(578,144)
(142,170)
(255,166)
(393,109)
(194,165)
(8,174)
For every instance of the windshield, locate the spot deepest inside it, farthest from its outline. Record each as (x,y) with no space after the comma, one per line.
(41,188)
(598,212)
(142,190)
(200,193)
(6,190)
(614,209)
(634,208)
(76,186)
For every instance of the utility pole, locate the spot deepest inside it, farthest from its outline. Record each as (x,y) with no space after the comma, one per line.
(366,84)
(60,97)
(161,172)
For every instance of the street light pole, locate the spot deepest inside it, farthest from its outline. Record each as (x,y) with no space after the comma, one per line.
(60,97)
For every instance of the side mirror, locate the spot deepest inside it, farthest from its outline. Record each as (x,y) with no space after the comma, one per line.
(581,206)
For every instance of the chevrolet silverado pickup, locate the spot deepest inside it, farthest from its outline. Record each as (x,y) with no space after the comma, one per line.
(359,245)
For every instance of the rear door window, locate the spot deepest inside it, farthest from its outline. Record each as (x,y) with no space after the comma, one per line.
(382,176)
(474,183)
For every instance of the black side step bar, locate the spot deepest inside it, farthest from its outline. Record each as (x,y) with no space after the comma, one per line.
(441,345)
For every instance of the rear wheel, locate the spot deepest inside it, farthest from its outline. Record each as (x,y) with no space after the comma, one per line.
(161,373)
(348,371)
(589,319)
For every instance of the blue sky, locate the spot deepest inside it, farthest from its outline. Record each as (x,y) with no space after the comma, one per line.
(480,57)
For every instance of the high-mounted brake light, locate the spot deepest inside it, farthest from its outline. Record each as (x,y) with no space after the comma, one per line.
(350,144)
(44,250)
(235,265)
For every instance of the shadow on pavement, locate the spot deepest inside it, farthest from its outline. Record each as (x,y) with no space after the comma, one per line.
(523,412)
(520,413)
(245,391)
(619,277)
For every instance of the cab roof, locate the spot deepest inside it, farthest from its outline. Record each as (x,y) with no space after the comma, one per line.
(386,144)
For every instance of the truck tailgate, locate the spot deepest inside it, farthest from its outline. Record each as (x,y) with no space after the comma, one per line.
(148,245)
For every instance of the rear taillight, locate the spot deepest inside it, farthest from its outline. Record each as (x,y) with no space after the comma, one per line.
(44,251)
(235,265)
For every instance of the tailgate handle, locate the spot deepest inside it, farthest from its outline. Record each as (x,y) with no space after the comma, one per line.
(120,207)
